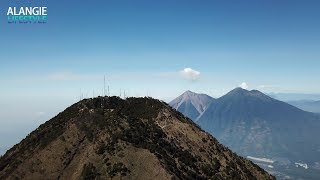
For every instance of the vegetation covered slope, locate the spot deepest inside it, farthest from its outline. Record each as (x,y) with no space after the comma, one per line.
(112,138)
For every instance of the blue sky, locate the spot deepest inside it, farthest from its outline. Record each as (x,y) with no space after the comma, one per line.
(142,47)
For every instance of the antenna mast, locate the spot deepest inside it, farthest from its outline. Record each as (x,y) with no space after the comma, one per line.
(104,85)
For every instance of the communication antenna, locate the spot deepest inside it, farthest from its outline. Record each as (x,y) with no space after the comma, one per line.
(104,85)
(81,94)
(108,91)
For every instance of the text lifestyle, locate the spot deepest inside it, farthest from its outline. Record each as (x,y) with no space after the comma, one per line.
(27,14)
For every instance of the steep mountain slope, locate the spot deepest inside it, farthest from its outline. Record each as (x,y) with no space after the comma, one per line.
(136,138)
(191,104)
(252,123)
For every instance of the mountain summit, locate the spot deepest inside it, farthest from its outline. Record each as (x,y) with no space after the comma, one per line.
(192,104)
(239,93)
(135,138)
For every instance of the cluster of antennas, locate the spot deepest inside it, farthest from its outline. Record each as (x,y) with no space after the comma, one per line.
(105,92)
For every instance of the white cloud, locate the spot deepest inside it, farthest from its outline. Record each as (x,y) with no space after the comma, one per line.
(244,85)
(190,74)
(261,159)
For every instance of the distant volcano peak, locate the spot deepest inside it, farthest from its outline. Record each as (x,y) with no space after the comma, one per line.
(189,93)
(246,93)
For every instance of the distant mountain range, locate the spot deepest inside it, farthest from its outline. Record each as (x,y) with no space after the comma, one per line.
(307,105)
(254,124)
(306,102)
(294,96)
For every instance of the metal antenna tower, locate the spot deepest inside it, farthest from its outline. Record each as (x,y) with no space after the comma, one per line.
(104,85)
